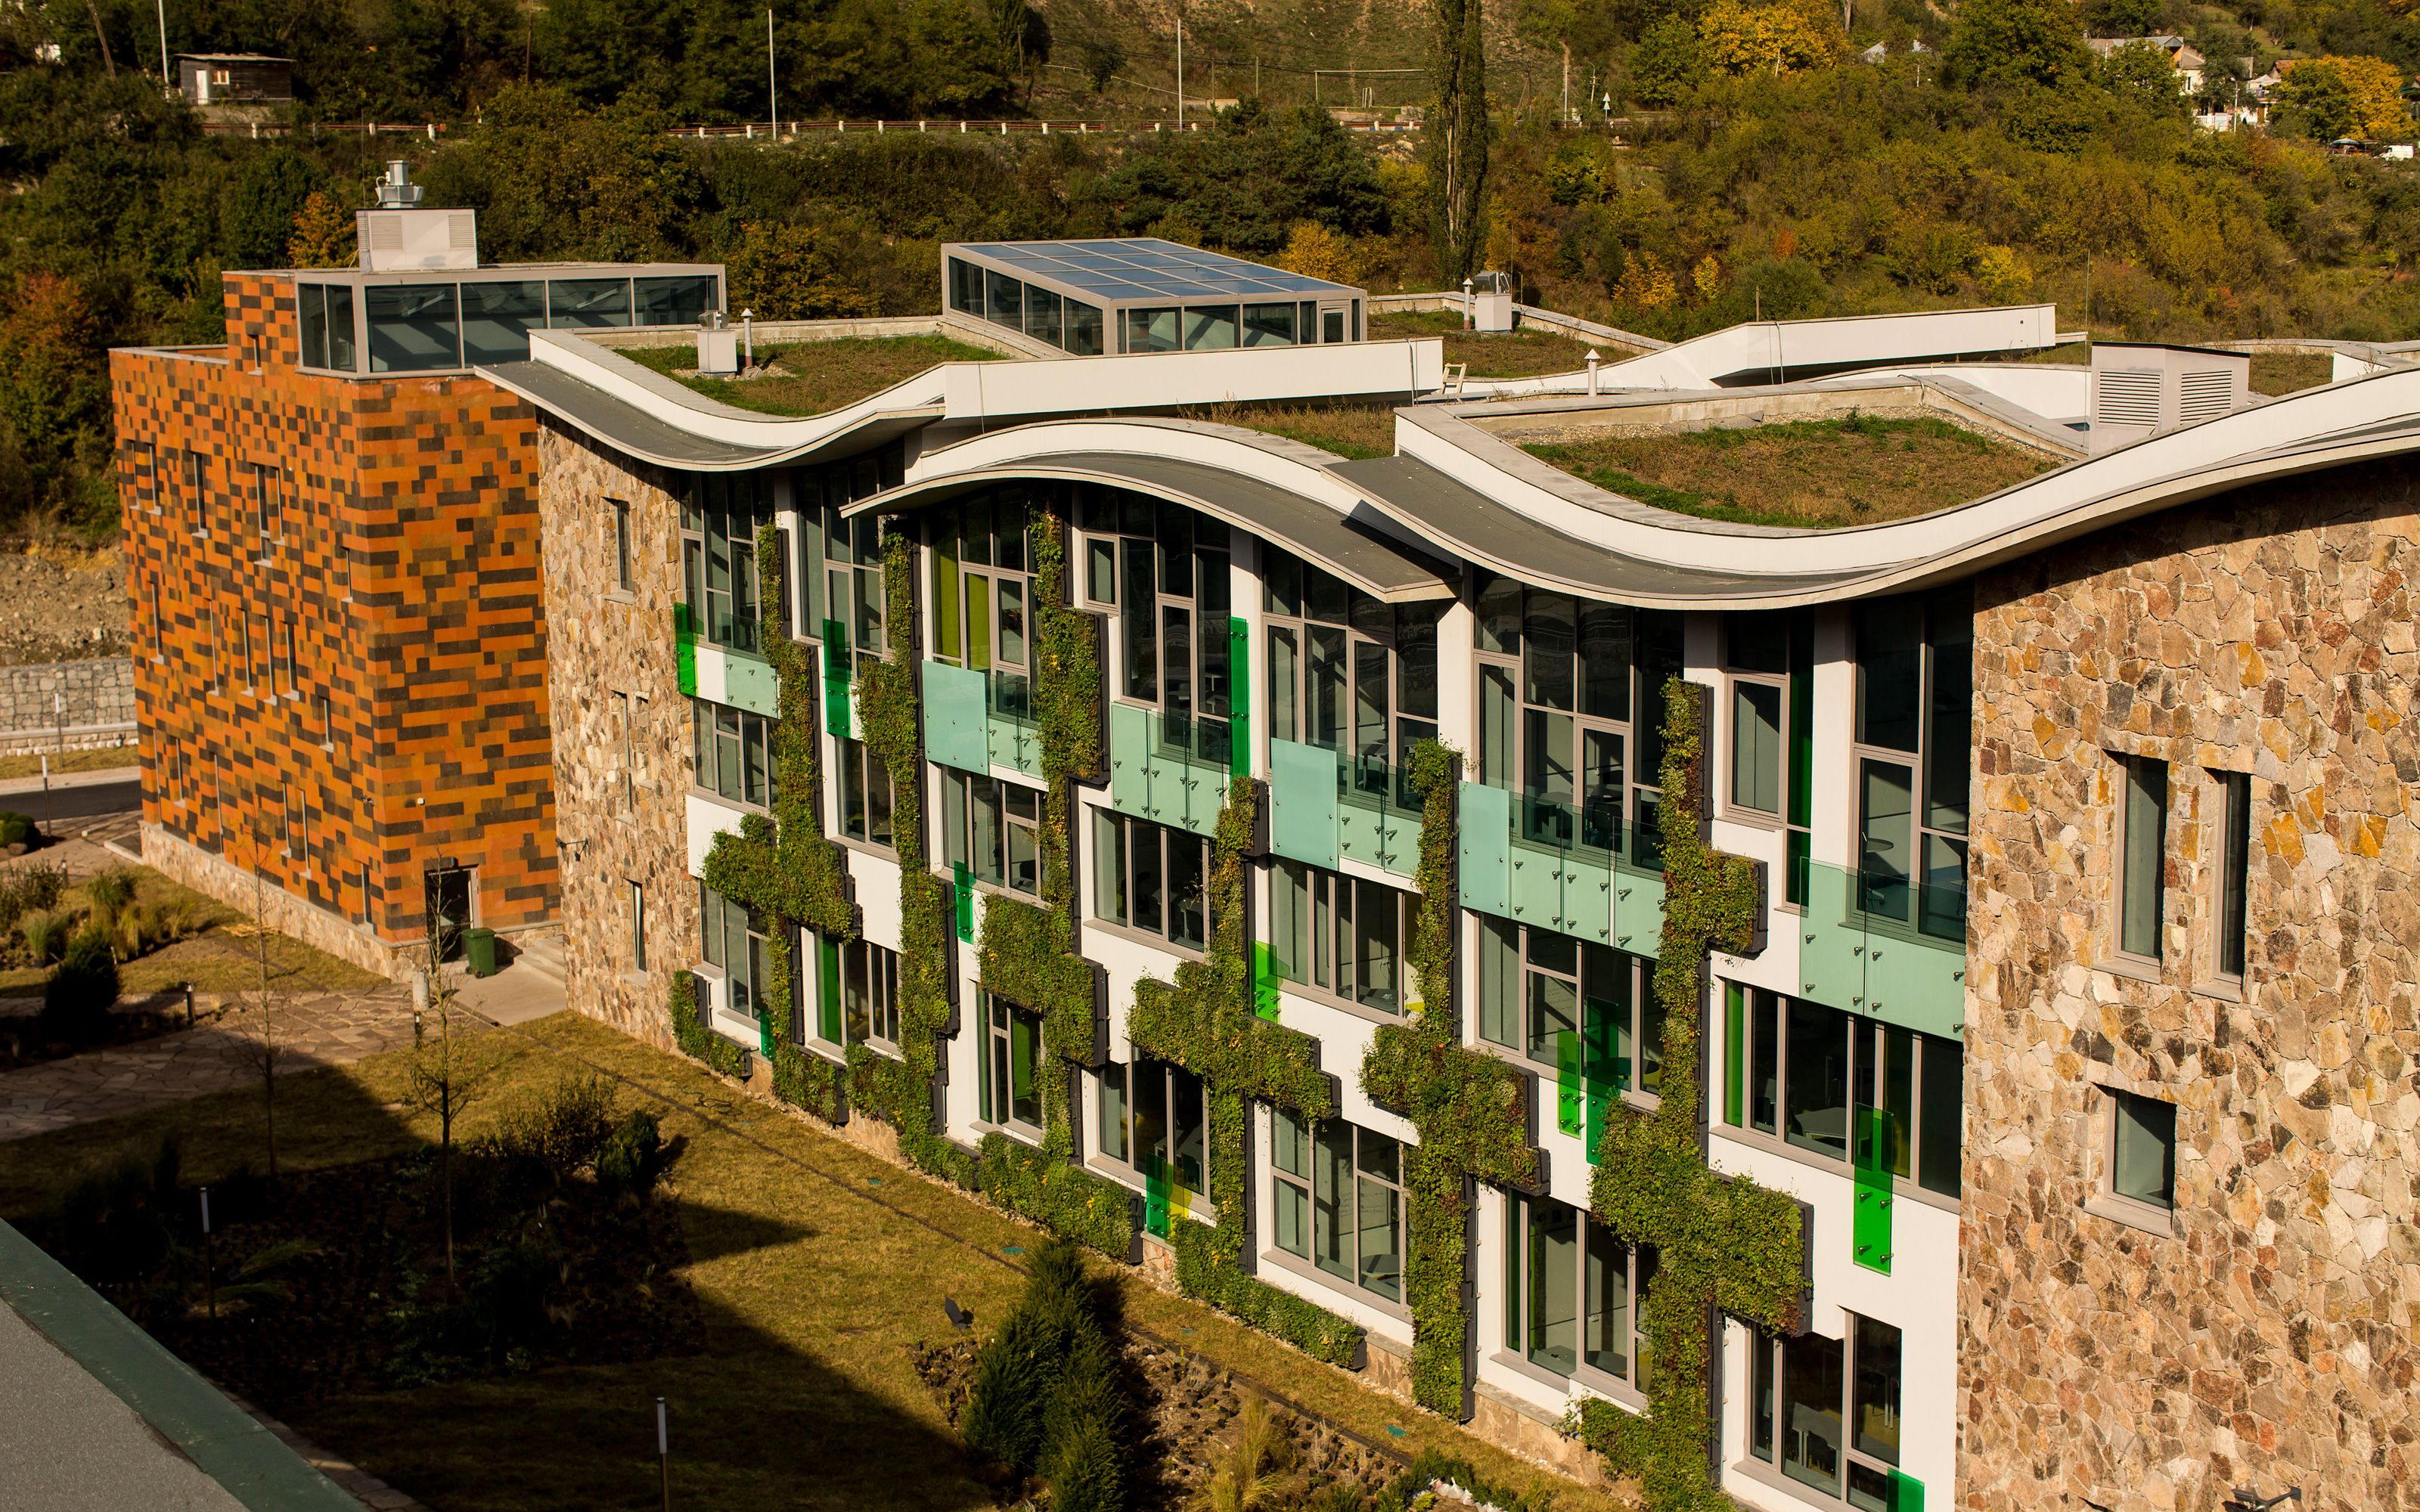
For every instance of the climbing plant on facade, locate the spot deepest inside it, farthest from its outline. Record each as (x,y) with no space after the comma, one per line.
(1469,1108)
(1723,1242)
(1205,1021)
(1027,954)
(783,867)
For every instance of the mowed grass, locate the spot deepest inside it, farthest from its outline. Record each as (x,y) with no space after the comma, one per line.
(1517,353)
(222,954)
(812,1290)
(1353,431)
(1856,471)
(102,759)
(819,376)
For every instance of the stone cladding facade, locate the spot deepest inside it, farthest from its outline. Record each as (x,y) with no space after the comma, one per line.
(340,638)
(2266,1335)
(623,795)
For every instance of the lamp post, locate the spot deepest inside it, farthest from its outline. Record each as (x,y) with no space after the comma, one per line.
(1592,359)
(664,1455)
(1469,318)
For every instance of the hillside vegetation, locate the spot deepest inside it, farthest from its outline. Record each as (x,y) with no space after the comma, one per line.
(1751,167)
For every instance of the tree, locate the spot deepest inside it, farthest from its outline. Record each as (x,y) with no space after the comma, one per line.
(1315,251)
(260,1015)
(447,1074)
(787,273)
(1738,38)
(2016,41)
(1455,137)
(270,194)
(2143,74)
(323,235)
(2327,98)
(551,178)
(1666,63)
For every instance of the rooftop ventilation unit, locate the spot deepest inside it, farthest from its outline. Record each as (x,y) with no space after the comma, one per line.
(398,237)
(2141,390)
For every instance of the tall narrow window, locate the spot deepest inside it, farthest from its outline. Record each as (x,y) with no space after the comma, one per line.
(2234,871)
(2142,858)
(621,544)
(638,923)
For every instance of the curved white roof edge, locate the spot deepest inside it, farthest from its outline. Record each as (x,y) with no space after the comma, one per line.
(2161,473)
(611,373)
(1514,478)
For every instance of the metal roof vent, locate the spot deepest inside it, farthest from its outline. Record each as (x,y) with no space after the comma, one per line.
(396,192)
(2140,389)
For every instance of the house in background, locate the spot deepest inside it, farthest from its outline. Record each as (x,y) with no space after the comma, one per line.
(235,79)
(2188,62)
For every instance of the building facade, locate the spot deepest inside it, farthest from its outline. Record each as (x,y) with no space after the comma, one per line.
(2073,1020)
(340,634)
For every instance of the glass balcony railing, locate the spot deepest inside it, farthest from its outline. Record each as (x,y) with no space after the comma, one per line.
(1592,834)
(1880,942)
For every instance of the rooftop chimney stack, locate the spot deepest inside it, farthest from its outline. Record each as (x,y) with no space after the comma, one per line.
(396,192)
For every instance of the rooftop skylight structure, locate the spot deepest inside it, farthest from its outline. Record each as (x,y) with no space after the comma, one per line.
(1140,294)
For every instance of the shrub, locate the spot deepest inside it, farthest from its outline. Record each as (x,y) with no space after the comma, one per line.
(1006,1404)
(567,1130)
(110,891)
(44,934)
(634,1156)
(118,1219)
(77,998)
(24,889)
(1047,1393)
(17,830)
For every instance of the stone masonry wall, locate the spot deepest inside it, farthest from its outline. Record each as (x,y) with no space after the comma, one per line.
(2266,1337)
(608,647)
(100,691)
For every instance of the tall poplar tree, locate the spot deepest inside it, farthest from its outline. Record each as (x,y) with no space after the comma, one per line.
(1456,140)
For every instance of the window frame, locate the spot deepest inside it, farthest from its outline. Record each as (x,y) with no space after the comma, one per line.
(1932,610)
(716,925)
(2108,1128)
(1286,1185)
(624,571)
(2231,840)
(637,917)
(961,793)
(1394,632)
(709,502)
(1114,871)
(1139,527)
(960,580)
(1515,1323)
(1325,980)
(2125,847)
(858,773)
(1768,1381)
(1161,1087)
(1761,1005)
(1631,974)
(749,732)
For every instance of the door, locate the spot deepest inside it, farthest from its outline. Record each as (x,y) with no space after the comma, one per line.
(449,909)
(1332,324)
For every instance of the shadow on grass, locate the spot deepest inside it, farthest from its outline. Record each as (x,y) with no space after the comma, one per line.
(759,1419)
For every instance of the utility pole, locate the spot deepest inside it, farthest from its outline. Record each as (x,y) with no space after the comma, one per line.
(772,80)
(165,78)
(1567,81)
(1180,65)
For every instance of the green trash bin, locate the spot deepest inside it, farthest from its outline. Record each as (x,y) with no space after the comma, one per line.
(479,948)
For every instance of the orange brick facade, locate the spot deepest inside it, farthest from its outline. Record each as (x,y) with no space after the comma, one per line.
(339,632)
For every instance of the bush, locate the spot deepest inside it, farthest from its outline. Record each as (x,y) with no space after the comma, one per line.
(119,1219)
(17,830)
(111,891)
(1047,1393)
(27,889)
(564,1132)
(634,1157)
(44,934)
(77,998)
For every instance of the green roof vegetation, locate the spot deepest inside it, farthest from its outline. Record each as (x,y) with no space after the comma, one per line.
(1857,471)
(1353,431)
(1518,353)
(815,378)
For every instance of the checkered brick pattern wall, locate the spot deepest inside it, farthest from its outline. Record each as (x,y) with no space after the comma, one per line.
(339,622)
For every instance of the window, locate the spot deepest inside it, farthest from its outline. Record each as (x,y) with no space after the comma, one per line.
(1173,592)
(1012,1074)
(833,542)
(990,828)
(983,602)
(414,327)
(585,303)
(1152,878)
(1164,1125)
(2142,858)
(638,923)
(293,665)
(327,723)
(1771,657)
(1536,987)
(720,516)
(1114,1131)
(1574,1296)
(159,621)
(734,940)
(1829,1410)
(2234,873)
(497,318)
(1342,936)
(622,577)
(268,508)
(734,752)
(2142,1146)
(1915,681)
(681,299)
(1348,674)
(864,793)
(1559,679)
(869,993)
(1340,1201)
(327,321)
(1813,1076)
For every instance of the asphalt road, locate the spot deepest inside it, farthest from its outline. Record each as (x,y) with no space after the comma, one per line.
(72,809)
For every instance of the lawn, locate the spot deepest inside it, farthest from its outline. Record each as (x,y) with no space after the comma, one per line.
(1519,353)
(189,939)
(1352,431)
(814,378)
(818,1270)
(1824,472)
(100,758)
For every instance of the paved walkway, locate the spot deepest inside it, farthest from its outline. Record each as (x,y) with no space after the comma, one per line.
(329,1030)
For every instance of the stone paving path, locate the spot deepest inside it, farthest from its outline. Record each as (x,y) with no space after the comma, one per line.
(325,1029)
